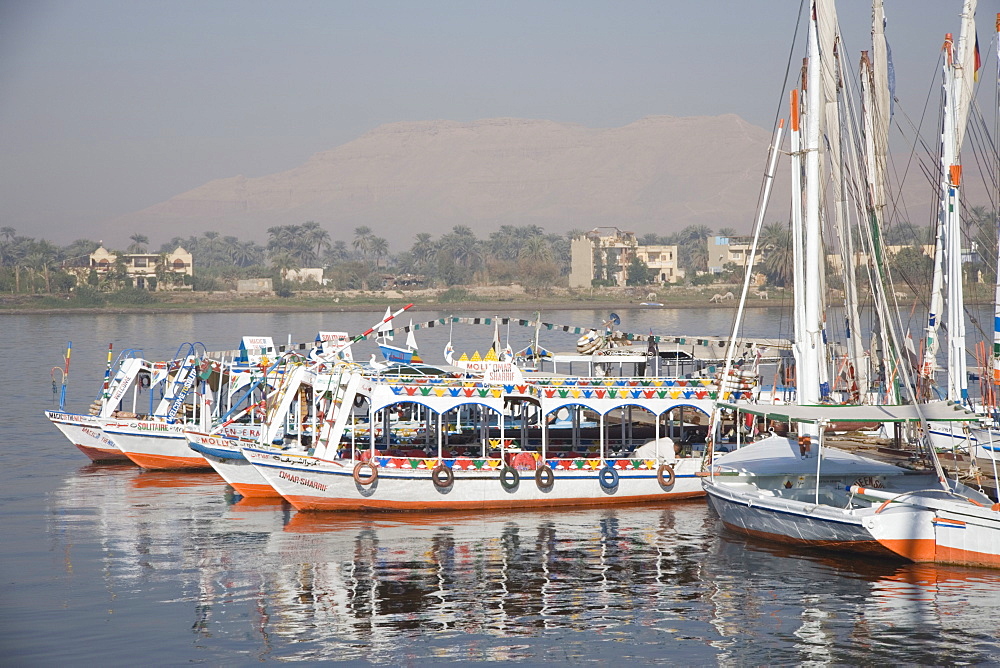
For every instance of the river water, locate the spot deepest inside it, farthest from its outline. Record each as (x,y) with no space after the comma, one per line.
(109,565)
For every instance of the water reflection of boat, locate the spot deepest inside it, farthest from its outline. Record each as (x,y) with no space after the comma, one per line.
(365,577)
(877,604)
(176,479)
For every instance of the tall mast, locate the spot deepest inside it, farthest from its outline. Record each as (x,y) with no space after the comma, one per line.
(996,300)
(810,340)
(959,66)
(830,44)
(876,105)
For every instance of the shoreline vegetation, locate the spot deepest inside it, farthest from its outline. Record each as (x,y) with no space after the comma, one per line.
(494,299)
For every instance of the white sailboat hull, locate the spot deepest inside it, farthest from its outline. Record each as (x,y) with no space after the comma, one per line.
(791,521)
(308,483)
(947,531)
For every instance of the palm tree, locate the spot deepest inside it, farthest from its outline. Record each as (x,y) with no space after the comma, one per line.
(362,240)
(379,248)
(46,254)
(776,240)
(283,262)
(120,272)
(281,238)
(423,251)
(336,253)
(536,249)
(246,253)
(138,244)
(316,236)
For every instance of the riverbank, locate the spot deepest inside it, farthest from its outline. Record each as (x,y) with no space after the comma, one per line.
(495,299)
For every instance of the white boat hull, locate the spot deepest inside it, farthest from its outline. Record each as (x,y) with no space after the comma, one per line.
(308,483)
(85,432)
(225,456)
(979,443)
(792,521)
(953,531)
(155,445)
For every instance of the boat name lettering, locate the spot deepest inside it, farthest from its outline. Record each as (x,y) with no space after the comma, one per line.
(870,482)
(150,426)
(291,477)
(298,461)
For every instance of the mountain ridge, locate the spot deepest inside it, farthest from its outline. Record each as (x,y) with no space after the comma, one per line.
(657,174)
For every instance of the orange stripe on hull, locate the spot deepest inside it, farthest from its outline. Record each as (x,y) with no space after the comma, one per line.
(103,454)
(860,547)
(951,555)
(929,551)
(256,491)
(166,463)
(912,549)
(300,502)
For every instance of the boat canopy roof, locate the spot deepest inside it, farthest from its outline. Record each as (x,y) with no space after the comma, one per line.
(934,411)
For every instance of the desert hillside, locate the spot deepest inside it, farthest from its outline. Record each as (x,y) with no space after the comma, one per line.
(659,174)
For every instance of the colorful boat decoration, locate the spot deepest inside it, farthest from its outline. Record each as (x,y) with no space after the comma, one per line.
(501,441)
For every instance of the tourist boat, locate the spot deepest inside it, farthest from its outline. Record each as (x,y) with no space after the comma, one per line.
(221,446)
(488,442)
(801,490)
(86,430)
(156,440)
(935,525)
(242,424)
(221,449)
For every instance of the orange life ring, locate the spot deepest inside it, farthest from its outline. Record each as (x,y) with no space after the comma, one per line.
(365,479)
(442,476)
(665,475)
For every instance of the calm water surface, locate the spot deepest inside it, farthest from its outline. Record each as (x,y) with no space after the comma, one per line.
(105,564)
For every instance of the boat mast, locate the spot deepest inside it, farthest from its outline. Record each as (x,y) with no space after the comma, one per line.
(809,341)
(996,300)
(959,66)
(833,88)
(875,118)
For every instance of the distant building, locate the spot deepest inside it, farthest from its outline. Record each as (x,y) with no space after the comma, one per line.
(306,274)
(663,261)
(723,250)
(167,270)
(605,253)
(254,286)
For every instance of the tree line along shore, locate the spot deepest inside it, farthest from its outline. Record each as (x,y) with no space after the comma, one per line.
(522,266)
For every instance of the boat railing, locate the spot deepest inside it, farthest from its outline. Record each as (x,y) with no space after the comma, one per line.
(556,463)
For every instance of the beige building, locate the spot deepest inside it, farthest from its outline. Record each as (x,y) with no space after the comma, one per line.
(141,267)
(605,253)
(662,260)
(723,250)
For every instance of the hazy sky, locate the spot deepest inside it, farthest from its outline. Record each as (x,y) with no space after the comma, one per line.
(110,106)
